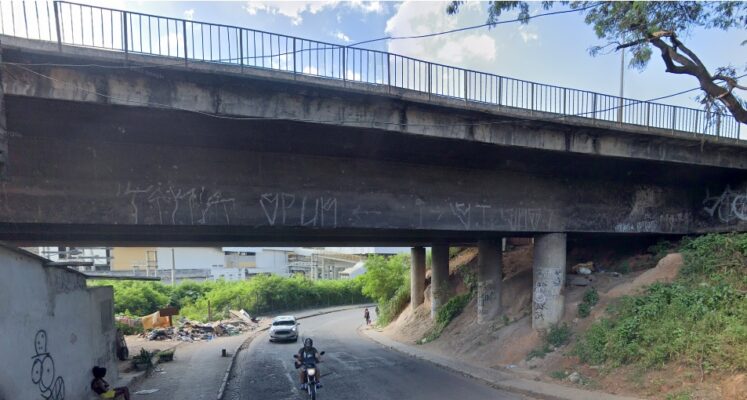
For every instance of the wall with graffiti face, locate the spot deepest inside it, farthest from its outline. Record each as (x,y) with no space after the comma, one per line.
(54,330)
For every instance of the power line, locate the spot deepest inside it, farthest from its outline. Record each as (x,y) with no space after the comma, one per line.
(360,123)
(427,35)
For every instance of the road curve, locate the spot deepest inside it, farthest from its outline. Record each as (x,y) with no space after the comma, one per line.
(353,368)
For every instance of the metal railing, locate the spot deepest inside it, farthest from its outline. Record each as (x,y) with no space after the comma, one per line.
(130,32)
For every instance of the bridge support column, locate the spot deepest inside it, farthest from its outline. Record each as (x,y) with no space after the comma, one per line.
(489,277)
(548,297)
(417,277)
(3,128)
(439,277)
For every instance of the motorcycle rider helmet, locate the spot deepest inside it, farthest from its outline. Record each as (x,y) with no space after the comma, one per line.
(308,343)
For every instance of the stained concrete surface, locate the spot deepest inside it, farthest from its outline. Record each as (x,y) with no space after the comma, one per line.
(353,368)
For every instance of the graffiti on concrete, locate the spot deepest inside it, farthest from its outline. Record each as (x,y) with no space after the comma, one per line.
(666,222)
(548,282)
(484,216)
(178,206)
(280,208)
(729,206)
(42,370)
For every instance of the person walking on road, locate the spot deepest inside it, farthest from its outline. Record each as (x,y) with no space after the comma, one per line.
(367,316)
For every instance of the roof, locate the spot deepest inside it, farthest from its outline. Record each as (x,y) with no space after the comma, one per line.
(284,318)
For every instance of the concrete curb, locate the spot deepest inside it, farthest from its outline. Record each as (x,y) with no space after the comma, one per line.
(493,378)
(245,344)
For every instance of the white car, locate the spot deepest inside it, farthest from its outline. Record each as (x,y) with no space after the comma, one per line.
(284,327)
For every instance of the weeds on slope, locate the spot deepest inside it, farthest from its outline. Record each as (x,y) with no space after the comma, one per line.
(699,320)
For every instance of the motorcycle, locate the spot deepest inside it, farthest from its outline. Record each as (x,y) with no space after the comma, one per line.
(312,379)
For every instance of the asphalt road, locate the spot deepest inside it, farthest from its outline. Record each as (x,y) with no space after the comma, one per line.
(354,367)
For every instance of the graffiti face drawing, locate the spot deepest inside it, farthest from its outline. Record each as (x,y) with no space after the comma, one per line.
(42,370)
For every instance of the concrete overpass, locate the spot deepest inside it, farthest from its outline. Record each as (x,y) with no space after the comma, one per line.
(112,145)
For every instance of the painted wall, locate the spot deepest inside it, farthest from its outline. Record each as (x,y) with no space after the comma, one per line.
(191,258)
(125,258)
(53,330)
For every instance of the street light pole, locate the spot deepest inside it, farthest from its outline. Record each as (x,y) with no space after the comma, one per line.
(173,267)
(622,80)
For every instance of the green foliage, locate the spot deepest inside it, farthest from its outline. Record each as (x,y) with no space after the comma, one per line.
(661,249)
(539,352)
(591,298)
(384,276)
(261,294)
(389,309)
(454,251)
(699,320)
(469,277)
(128,330)
(446,314)
(559,375)
(144,357)
(584,309)
(137,298)
(558,335)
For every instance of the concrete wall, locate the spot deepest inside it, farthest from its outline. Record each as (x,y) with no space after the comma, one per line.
(53,330)
(271,261)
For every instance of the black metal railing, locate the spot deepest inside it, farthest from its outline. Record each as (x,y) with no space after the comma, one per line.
(75,24)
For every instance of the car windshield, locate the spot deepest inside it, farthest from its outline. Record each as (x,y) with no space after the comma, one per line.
(279,323)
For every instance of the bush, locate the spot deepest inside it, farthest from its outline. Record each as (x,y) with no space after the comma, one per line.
(389,309)
(446,314)
(558,335)
(128,330)
(699,320)
(261,294)
(591,298)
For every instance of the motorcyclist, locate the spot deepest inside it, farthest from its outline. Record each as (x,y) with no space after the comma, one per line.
(308,352)
(367,316)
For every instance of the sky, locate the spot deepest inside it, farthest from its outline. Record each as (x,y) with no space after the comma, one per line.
(552,49)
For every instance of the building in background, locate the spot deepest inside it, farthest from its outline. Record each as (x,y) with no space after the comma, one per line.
(228,263)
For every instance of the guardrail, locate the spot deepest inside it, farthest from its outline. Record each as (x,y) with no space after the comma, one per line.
(130,32)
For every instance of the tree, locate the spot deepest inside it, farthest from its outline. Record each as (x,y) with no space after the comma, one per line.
(384,276)
(643,26)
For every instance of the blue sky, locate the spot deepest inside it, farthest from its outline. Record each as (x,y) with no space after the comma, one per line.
(551,50)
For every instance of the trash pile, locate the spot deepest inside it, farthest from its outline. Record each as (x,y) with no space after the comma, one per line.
(190,331)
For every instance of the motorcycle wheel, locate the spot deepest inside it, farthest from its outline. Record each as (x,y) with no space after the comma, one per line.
(312,390)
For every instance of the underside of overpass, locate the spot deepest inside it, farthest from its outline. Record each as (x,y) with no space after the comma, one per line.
(102,173)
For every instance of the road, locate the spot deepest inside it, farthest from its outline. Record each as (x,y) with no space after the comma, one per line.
(353,368)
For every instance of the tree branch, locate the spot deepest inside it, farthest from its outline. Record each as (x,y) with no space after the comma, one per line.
(730,82)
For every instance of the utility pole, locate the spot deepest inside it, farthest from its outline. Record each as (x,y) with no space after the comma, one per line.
(622,78)
(173,267)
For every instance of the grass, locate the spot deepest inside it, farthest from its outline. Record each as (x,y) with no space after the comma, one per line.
(591,298)
(557,336)
(446,314)
(699,320)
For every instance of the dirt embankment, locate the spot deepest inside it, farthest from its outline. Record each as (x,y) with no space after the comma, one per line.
(506,342)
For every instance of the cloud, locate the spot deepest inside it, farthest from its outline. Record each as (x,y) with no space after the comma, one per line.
(470,49)
(342,36)
(294,10)
(189,14)
(528,34)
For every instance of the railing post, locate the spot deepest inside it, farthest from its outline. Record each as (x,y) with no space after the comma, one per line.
(184,32)
(466,78)
(531,91)
(294,56)
(500,90)
(57,25)
(565,102)
(344,63)
(388,72)
(241,49)
(124,33)
(648,114)
(697,116)
(674,118)
(429,80)
(594,106)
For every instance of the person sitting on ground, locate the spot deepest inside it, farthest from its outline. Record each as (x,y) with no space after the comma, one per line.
(308,352)
(101,387)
